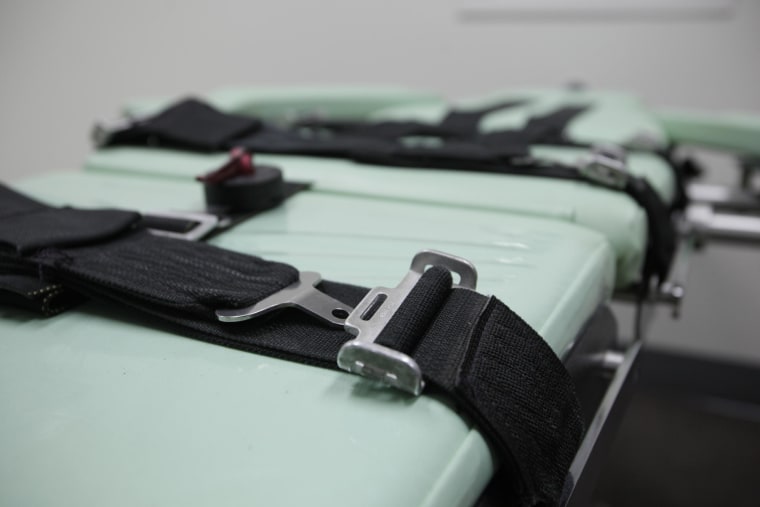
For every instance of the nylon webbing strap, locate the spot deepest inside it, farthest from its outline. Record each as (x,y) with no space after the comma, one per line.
(192,125)
(472,347)
(505,152)
(466,122)
(457,123)
(550,128)
(29,292)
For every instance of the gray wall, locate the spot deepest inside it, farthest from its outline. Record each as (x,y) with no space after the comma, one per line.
(65,64)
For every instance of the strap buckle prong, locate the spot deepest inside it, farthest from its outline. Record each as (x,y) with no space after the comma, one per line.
(302,295)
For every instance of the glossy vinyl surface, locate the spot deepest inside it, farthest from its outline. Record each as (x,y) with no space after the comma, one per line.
(103,407)
(614,215)
(737,132)
(289,102)
(614,117)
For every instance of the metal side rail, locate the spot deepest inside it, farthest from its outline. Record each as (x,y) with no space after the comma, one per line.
(587,464)
(711,223)
(728,211)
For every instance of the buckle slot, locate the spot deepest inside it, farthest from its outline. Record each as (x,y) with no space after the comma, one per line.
(204,224)
(366,321)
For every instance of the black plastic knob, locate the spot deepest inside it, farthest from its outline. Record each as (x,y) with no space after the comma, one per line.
(259,191)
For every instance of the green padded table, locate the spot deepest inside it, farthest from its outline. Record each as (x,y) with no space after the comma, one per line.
(615,118)
(289,102)
(734,132)
(103,407)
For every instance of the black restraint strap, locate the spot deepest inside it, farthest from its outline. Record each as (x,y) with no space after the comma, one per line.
(469,346)
(194,125)
(466,122)
(191,124)
(27,291)
(550,128)
(503,145)
(457,123)
(505,152)
(462,125)
(546,129)
(661,246)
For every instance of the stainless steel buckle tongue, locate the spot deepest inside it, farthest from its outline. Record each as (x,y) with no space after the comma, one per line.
(302,295)
(365,357)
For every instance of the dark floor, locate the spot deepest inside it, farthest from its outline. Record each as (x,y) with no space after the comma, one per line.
(677,448)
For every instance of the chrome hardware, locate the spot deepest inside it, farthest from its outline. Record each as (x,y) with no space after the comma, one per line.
(365,357)
(302,295)
(710,223)
(367,321)
(205,223)
(606,164)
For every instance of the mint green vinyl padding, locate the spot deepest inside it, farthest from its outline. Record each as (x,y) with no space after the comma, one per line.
(289,102)
(613,214)
(736,132)
(103,408)
(614,117)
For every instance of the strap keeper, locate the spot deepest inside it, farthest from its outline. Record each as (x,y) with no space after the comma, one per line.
(377,362)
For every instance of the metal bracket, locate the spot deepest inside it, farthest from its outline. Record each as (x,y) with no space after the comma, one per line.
(737,226)
(606,164)
(205,223)
(302,295)
(365,357)
(362,355)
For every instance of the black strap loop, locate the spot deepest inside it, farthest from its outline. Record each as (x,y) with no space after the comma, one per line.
(505,152)
(29,292)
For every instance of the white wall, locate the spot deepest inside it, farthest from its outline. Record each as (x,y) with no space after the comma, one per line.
(65,64)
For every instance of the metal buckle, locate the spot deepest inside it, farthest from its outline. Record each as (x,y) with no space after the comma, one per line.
(606,164)
(365,357)
(362,355)
(205,223)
